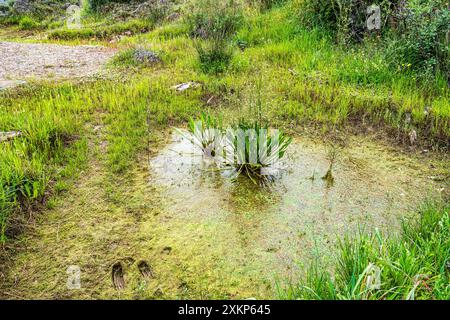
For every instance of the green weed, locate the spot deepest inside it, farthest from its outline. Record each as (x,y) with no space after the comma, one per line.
(412,265)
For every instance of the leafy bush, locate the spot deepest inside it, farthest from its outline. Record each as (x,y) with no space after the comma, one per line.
(208,19)
(421,40)
(28,23)
(213,24)
(415,31)
(347,19)
(214,57)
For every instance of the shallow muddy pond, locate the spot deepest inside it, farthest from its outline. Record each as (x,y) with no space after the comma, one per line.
(238,238)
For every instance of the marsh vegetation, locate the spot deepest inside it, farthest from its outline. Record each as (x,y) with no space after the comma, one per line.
(98,176)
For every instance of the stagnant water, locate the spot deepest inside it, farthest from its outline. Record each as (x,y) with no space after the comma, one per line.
(244,236)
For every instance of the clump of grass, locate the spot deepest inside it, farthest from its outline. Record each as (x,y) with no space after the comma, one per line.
(102,32)
(28,23)
(249,148)
(412,265)
(214,57)
(213,24)
(258,150)
(205,132)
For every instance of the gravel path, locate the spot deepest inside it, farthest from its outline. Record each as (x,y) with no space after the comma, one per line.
(21,61)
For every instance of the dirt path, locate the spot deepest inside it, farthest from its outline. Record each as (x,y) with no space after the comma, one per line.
(22,61)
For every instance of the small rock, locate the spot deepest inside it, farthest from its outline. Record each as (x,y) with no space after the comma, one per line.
(146,56)
(7,84)
(5,136)
(4,10)
(173,16)
(186,85)
(22,6)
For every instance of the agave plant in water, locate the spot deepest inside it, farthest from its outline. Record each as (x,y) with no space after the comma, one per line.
(256,149)
(205,133)
(249,148)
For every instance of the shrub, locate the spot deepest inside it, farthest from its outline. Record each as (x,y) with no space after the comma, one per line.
(154,10)
(420,41)
(415,31)
(28,23)
(214,57)
(208,19)
(9,20)
(213,24)
(347,19)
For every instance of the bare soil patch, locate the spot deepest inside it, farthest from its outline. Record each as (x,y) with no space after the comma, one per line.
(22,61)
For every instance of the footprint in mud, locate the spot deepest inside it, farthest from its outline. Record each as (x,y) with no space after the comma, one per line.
(117,276)
(145,270)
